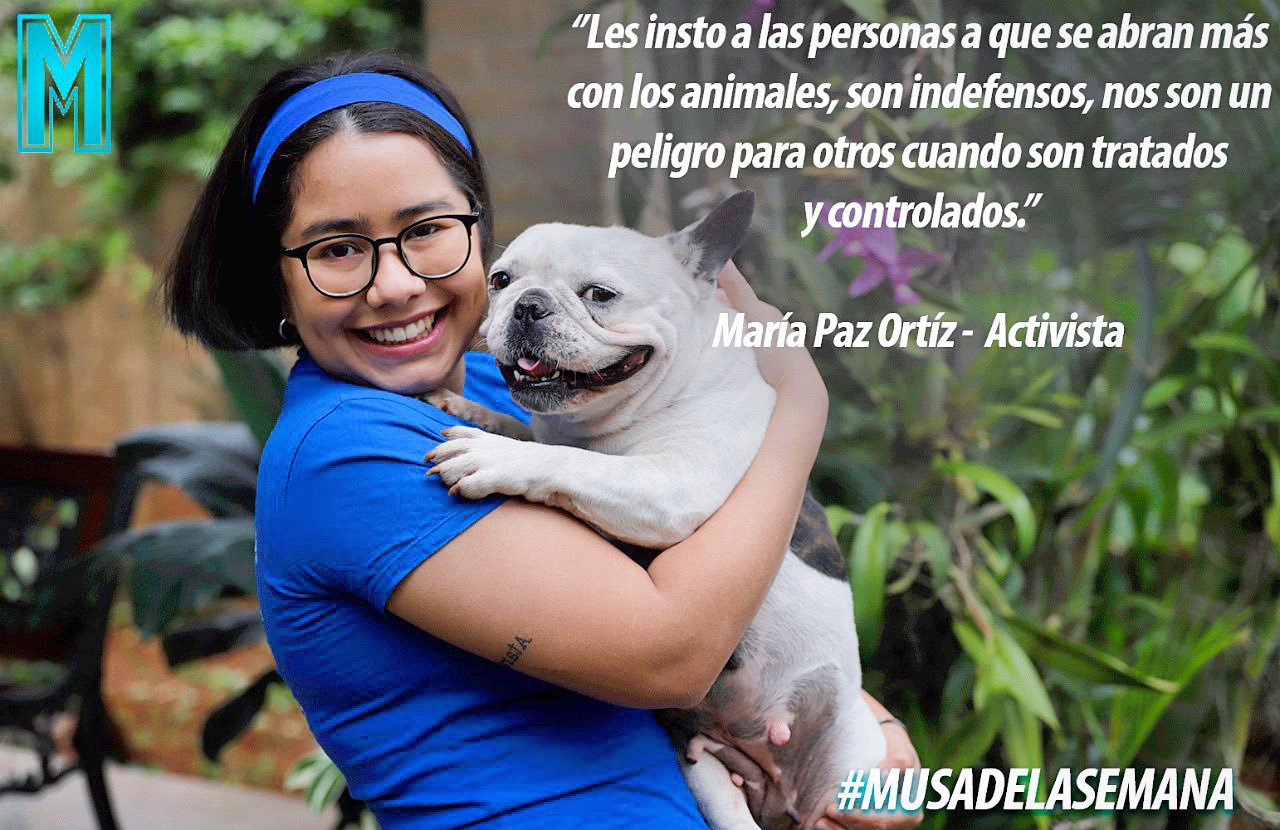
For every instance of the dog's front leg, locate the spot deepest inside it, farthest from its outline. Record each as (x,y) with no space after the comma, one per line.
(478,414)
(641,499)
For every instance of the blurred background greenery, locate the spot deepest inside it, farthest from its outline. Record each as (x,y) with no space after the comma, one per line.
(1059,557)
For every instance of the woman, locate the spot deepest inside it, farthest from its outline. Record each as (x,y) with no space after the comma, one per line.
(395,612)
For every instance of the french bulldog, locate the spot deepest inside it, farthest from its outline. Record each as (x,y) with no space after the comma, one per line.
(642,428)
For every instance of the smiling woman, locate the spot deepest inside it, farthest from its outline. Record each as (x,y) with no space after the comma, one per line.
(364,562)
(403,333)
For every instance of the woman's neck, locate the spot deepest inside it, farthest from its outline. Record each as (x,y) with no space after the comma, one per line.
(457,378)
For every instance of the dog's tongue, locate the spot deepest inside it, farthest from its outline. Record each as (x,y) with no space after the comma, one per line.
(535,367)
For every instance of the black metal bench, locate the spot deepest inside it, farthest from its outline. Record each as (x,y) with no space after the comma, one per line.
(55,601)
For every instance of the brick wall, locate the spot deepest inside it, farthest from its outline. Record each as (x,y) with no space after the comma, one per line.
(545,159)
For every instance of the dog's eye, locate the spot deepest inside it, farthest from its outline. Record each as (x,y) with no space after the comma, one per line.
(499,280)
(598,294)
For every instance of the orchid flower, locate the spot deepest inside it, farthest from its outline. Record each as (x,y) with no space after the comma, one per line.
(878,248)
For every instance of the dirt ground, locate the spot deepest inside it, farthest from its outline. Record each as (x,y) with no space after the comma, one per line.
(160,711)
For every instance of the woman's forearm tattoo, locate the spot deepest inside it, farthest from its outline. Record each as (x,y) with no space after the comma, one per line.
(515,648)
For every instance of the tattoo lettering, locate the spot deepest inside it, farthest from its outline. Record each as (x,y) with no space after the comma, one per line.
(515,648)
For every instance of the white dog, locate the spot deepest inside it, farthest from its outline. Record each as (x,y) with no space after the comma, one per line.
(643,428)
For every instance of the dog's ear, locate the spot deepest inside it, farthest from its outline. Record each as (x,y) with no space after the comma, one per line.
(706,245)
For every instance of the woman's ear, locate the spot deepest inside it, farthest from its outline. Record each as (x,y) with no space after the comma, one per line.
(286,306)
(286,310)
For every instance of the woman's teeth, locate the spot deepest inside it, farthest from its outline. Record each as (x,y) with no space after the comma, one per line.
(402,334)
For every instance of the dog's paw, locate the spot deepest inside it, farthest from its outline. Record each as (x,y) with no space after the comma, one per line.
(456,405)
(474,463)
(440,398)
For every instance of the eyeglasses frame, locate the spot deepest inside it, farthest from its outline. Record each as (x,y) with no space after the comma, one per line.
(299,253)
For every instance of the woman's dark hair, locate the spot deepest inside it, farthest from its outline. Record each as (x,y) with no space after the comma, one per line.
(223,285)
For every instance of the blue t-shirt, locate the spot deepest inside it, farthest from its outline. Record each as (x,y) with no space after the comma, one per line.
(429,735)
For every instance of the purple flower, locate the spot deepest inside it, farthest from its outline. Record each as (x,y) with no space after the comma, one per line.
(878,248)
(754,12)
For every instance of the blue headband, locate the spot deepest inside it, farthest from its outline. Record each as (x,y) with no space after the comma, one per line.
(338,91)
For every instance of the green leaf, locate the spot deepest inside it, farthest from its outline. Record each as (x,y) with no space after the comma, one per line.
(25,565)
(936,545)
(982,651)
(1030,414)
(1271,517)
(1038,384)
(966,742)
(1268,414)
(1195,423)
(1229,257)
(973,643)
(255,381)
(815,278)
(1176,653)
(179,568)
(1080,660)
(326,789)
(1165,389)
(1017,675)
(1002,668)
(1165,470)
(1021,736)
(1186,257)
(214,463)
(1024,745)
(838,518)
(868,559)
(1231,343)
(997,560)
(304,772)
(67,512)
(1003,490)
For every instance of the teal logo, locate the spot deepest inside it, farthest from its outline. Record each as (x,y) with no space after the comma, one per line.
(64,77)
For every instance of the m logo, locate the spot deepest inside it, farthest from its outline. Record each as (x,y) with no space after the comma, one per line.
(73,76)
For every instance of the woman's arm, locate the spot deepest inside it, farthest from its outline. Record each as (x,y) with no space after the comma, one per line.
(588,618)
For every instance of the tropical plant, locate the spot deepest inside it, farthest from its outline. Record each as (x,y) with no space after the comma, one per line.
(1059,557)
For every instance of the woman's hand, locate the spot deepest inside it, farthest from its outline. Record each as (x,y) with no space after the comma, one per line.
(899,754)
(788,369)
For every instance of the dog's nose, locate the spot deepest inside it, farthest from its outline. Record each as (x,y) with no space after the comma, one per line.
(534,304)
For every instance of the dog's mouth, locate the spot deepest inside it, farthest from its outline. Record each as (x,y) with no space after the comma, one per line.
(530,372)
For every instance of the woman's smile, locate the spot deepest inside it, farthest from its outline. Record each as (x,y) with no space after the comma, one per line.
(400,337)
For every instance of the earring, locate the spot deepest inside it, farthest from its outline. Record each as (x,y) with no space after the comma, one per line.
(283,322)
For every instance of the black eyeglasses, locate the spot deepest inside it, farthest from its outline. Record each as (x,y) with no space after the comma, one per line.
(346,264)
